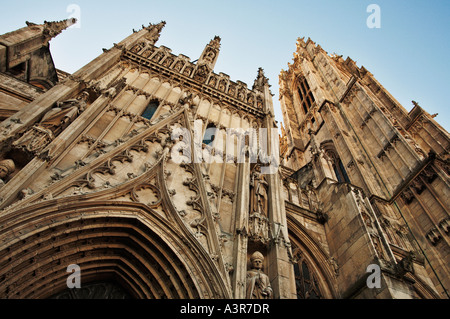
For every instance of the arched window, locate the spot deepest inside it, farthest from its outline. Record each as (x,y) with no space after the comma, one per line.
(305,95)
(305,281)
(210,134)
(336,163)
(150,110)
(340,172)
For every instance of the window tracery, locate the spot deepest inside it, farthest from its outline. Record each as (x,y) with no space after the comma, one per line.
(305,280)
(306,97)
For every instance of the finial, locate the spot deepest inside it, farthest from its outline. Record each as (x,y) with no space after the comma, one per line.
(215,43)
(52,29)
(260,81)
(155,31)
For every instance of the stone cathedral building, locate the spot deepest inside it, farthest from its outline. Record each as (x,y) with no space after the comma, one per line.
(160,178)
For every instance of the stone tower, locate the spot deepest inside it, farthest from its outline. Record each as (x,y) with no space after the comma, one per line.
(26,65)
(380,174)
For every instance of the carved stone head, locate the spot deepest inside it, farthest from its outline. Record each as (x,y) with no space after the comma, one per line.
(6,168)
(257,260)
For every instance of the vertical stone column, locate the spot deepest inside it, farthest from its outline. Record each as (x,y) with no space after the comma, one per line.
(280,269)
(241,231)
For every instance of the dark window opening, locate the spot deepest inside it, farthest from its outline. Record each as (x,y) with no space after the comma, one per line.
(305,108)
(210,134)
(150,110)
(340,172)
(300,94)
(306,97)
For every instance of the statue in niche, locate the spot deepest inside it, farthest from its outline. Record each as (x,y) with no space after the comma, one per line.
(258,283)
(251,100)
(259,103)
(179,66)
(209,56)
(52,124)
(212,81)
(222,86)
(59,118)
(7,167)
(138,47)
(202,73)
(258,193)
(168,62)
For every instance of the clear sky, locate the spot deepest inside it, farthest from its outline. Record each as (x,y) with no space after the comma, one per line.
(408,55)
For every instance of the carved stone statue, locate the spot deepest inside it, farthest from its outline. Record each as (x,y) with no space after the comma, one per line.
(258,193)
(209,57)
(258,222)
(258,283)
(58,118)
(52,124)
(7,167)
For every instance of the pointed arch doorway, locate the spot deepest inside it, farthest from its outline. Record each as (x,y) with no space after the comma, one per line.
(123,251)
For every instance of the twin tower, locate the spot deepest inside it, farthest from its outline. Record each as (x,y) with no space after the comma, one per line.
(355,204)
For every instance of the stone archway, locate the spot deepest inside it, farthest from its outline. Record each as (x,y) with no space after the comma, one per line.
(124,246)
(101,290)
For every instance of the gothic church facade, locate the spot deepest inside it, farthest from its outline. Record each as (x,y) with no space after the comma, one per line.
(161,179)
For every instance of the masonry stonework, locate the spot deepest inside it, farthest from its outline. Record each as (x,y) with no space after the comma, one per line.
(140,168)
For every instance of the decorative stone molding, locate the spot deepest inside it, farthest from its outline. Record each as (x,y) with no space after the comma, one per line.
(445,225)
(406,265)
(434,236)
(407,195)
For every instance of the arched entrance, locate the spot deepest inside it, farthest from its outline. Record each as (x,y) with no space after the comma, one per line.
(122,249)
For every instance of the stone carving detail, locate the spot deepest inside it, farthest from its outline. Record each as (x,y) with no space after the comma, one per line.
(429,174)
(434,236)
(138,47)
(178,66)
(258,194)
(260,81)
(258,223)
(97,291)
(147,186)
(7,167)
(115,88)
(202,73)
(418,186)
(154,31)
(406,265)
(52,124)
(258,228)
(445,224)
(407,195)
(322,217)
(258,283)
(334,264)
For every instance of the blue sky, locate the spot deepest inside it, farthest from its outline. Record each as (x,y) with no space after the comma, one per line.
(408,55)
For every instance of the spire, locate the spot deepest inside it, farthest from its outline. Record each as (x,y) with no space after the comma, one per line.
(208,59)
(52,29)
(260,81)
(262,85)
(210,53)
(215,43)
(154,31)
(30,39)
